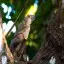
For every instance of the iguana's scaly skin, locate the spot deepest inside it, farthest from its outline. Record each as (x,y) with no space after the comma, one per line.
(21,35)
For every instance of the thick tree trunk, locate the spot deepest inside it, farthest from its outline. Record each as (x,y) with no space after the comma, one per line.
(54,46)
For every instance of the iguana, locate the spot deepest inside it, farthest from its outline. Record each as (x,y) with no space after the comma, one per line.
(21,35)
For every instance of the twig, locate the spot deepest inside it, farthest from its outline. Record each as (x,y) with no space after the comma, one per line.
(17,19)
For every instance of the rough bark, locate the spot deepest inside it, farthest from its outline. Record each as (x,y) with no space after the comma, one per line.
(54,42)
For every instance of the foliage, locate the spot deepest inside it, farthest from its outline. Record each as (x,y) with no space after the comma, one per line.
(38,27)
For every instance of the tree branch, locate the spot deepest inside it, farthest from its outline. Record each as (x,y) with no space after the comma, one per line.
(3,43)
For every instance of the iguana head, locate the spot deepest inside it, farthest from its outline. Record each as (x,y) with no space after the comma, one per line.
(28,19)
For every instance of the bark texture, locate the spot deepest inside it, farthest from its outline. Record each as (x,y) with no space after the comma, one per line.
(54,42)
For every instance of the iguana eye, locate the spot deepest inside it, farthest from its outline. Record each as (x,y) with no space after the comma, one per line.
(29,16)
